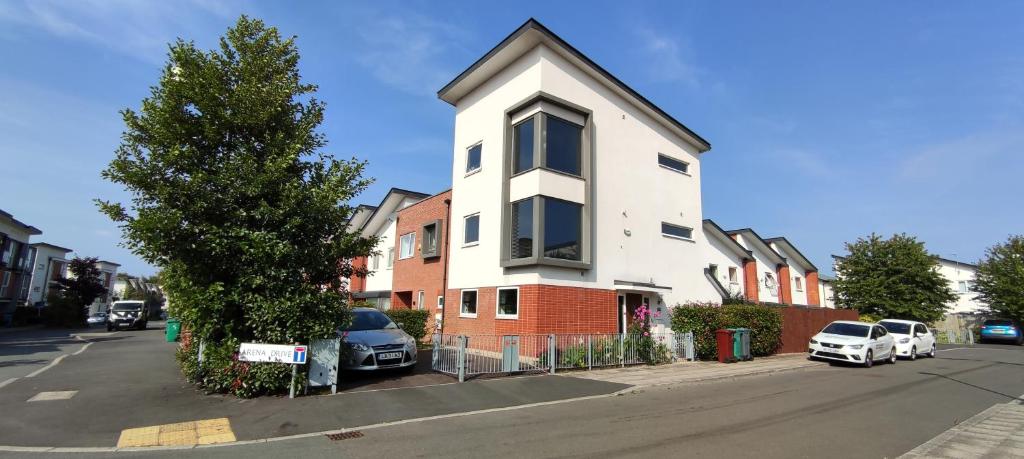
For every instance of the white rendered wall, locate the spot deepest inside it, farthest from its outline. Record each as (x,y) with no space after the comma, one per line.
(764,264)
(42,271)
(799,296)
(716,253)
(954,273)
(380,279)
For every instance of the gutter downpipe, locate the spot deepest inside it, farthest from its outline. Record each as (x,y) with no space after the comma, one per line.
(447,255)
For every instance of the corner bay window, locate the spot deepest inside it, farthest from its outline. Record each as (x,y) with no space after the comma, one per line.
(548,141)
(560,227)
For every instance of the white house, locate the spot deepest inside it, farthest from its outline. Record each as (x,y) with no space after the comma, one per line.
(960,276)
(108,273)
(380,222)
(585,195)
(49,265)
(766,267)
(799,273)
(15,263)
(727,262)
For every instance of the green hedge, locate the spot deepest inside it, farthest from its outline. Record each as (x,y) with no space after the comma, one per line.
(414,321)
(703,319)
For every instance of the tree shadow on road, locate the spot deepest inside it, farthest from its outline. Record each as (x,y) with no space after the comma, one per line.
(1011,397)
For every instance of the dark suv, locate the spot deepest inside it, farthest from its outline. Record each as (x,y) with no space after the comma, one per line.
(127,314)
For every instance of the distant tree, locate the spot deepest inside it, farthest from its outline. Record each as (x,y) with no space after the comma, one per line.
(892,278)
(1000,278)
(132,293)
(76,293)
(233,199)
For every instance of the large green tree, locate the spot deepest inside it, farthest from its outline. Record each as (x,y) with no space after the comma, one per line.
(1000,278)
(234,200)
(892,278)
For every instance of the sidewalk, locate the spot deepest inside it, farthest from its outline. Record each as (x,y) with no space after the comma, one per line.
(692,372)
(997,432)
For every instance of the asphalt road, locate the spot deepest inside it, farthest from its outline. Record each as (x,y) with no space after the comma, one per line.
(838,412)
(23,352)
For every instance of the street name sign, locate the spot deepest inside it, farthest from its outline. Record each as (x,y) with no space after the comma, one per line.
(280,353)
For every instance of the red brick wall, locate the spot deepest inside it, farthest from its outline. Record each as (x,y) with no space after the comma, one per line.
(812,289)
(357,283)
(750,279)
(411,275)
(542,309)
(785,285)
(800,324)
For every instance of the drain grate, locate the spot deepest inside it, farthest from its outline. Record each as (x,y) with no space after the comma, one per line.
(344,435)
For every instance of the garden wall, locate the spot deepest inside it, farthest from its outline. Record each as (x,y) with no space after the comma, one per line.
(800,324)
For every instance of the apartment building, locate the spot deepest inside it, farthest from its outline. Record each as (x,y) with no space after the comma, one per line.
(50,264)
(15,263)
(418,279)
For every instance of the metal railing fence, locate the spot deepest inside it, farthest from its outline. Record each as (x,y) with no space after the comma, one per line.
(469,355)
(954,336)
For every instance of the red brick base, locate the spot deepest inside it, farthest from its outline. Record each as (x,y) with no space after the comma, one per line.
(542,309)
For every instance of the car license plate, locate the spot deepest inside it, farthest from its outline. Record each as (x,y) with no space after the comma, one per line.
(832,350)
(998,330)
(389,355)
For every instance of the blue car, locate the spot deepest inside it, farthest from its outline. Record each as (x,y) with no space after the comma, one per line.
(1003,330)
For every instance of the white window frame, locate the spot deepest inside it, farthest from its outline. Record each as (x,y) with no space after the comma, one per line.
(799,283)
(466,314)
(412,246)
(497,298)
(465,221)
(440,302)
(421,296)
(391,257)
(734,277)
(673,236)
(4,280)
(481,166)
(376,261)
(687,164)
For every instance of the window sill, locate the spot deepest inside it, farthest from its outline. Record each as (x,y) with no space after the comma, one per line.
(404,258)
(471,244)
(678,238)
(472,172)
(543,261)
(674,170)
(467,316)
(506,317)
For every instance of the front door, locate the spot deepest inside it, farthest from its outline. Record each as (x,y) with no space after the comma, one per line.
(628,304)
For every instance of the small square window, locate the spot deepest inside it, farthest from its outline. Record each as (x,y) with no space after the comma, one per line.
(473,158)
(391,257)
(471,235)
(376,262)
(468,303)
(733,275)
(799,283)
(408,245)
(508,303)
(431,235)
(676,231)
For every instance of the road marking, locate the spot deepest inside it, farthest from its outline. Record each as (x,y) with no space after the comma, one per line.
(51,365)
(82,349)
(192,433)
(56,395)
(2,384)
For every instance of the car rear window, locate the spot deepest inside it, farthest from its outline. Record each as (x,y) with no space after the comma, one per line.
(896,327)
(999,322)
(836,328)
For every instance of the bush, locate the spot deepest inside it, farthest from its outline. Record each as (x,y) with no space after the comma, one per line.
(62,311)
(414,321)
(870,318)
(765,324)
(222,372)
(25,315)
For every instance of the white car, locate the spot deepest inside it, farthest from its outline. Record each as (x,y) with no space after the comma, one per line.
(853,342)
(912,338)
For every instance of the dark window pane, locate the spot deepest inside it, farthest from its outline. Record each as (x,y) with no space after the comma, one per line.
(672,163)
(430,238)
(472,229)
(523,146)
(677,231)
(562,226)
(473,158)
(508,302)
(469,302)
(563,145)
(522,228)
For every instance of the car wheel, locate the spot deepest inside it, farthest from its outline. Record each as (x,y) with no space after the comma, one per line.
(892,356)
(913,353)
(931,353)
(109,328)
(869,359)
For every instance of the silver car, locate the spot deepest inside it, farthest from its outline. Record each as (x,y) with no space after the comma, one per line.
(373,341)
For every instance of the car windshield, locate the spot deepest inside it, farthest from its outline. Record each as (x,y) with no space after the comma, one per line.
(896,327)
(370,320)
(836,328)
(999,322)
(127,307)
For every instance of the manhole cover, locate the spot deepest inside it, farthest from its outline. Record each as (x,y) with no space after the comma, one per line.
(344,435)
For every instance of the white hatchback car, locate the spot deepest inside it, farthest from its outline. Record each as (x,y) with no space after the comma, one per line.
(912,338)
(853,342)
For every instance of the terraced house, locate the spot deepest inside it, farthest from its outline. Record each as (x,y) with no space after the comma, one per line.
(15,263)
(574,201)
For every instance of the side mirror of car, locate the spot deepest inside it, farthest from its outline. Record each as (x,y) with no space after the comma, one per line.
(401,325)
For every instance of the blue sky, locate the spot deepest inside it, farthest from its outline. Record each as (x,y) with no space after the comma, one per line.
(828,120)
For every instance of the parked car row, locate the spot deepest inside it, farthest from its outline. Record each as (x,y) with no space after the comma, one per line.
(866,343)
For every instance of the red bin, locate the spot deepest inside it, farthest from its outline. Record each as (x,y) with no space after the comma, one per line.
(724,340)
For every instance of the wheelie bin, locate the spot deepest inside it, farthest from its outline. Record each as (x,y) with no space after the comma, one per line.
(723,339)
(741,344)
(172,329)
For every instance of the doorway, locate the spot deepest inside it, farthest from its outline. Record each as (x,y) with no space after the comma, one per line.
(628,304)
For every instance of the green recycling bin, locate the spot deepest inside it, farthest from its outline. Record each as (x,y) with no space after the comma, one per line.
(741,344)
(172,329)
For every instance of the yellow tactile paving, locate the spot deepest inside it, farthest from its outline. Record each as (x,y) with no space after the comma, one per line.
(204,432)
